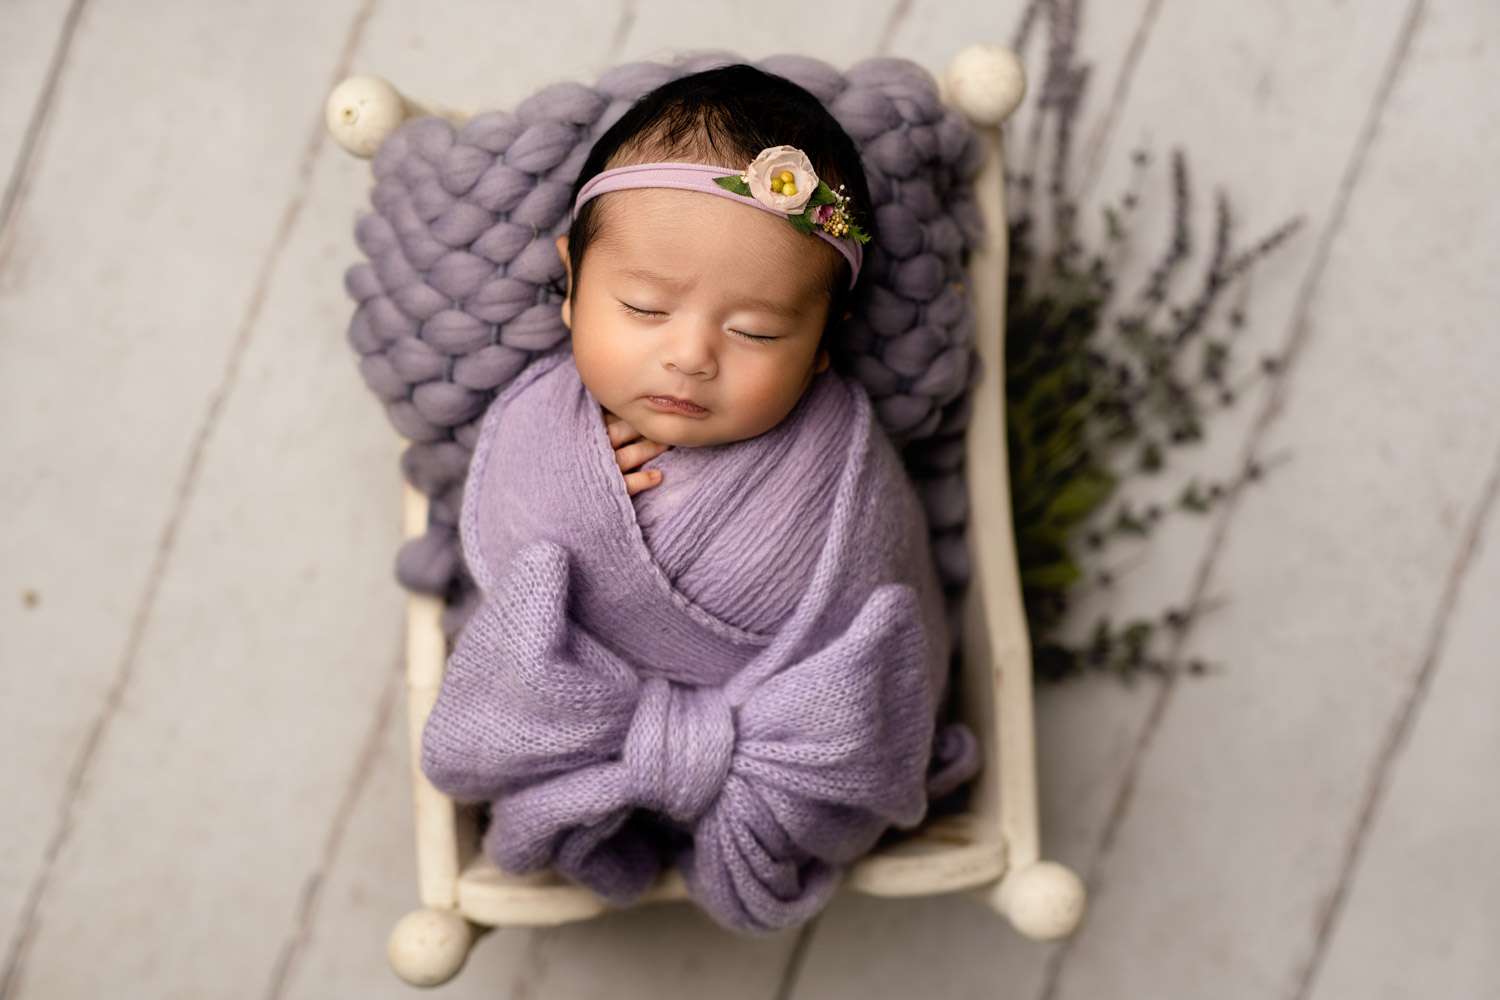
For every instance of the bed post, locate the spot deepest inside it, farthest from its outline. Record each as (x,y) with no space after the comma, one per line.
(430,944)
(1042,899)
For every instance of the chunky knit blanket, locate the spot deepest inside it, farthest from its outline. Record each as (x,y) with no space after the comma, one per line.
(738,672)
(462,287)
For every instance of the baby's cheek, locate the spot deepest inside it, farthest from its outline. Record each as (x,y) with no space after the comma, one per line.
(769,401)
(593,369)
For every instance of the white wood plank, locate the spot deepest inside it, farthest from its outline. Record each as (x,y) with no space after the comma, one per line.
(932,33)
(1087,734)
(1421,916)
(1243,807)
(371,885)
(131,264)
(478,56)
(839,32)
(33,31)
(1267,102)
(276,624)
(310,596)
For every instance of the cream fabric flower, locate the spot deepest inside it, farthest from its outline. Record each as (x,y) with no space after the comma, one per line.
(772,161)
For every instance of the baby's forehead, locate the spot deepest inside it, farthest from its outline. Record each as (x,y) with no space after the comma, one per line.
(653,227)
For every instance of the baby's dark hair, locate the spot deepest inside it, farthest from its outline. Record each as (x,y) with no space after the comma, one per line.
(728,115)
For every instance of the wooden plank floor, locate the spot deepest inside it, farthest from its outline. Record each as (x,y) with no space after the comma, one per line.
(200,630)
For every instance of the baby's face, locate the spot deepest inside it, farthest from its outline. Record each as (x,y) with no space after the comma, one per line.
(712,277)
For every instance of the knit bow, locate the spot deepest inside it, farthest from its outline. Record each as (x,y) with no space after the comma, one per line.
(777,779)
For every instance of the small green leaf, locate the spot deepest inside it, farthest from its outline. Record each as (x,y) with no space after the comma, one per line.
(822,196)
(1058,574)
(733,183)
(1080,497)
(803,222)
(1115,231)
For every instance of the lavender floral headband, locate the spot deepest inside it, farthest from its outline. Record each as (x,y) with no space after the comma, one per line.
(780,180)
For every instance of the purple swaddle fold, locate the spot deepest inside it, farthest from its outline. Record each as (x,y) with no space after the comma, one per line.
(737,672)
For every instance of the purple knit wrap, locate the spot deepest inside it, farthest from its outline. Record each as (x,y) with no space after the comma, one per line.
(738,672)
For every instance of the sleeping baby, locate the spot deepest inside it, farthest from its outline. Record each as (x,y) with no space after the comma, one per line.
(710,632)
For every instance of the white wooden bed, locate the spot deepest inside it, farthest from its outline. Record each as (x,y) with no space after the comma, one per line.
(992,851)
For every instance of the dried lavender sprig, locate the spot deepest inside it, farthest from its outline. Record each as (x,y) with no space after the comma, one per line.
(1242,263)
(1064,209)
(1054,317)
(1155,292)
(1023,28)
(1059,95)
(1195,498)
(1190,319)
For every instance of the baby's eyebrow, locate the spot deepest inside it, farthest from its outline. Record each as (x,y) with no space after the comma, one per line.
(764,305)
(646,274)
(774,308)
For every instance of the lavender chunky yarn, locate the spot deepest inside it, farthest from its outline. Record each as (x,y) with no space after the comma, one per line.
(459,292)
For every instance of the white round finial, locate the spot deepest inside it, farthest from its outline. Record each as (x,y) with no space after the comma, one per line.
(362,111)
(428,947)
(985,82)
(1043,900)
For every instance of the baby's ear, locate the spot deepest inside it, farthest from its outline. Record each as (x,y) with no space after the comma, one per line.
(562,252)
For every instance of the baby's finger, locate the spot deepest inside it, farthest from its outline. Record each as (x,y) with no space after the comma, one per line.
(633,455)
(635,482)
(620,432)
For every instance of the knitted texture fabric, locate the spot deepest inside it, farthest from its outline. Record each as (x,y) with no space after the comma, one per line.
(759,671)
(462,287)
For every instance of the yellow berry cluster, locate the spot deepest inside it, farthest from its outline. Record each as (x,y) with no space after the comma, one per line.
(838,222)
(784,183)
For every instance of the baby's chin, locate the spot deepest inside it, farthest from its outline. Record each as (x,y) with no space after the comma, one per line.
(679,432)
(685,432)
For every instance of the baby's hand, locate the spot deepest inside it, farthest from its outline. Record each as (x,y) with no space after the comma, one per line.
(630,451)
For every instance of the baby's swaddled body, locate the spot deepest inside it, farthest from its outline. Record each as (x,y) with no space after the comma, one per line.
(755,649)
(766,520)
